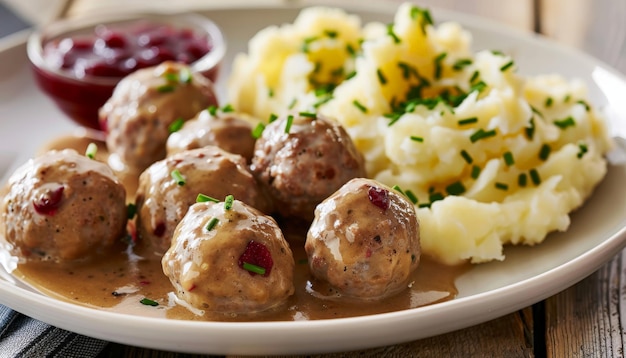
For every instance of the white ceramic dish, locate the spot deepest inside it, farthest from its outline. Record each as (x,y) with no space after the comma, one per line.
(487,291)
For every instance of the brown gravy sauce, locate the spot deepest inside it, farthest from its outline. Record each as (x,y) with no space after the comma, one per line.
(119,281)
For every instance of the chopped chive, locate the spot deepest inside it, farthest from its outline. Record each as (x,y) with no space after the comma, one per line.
(258,131)
(461,64)
(350,50)
(583,149)
(165,88)
(91,150)
(398,189)
(497,52)
(467,157)
(544,152)
(534,176)
(407,70)
(289,123)
(228,202)
(522,179)
(212,223)
(465,121)
(178,178)
(305,45)
(507,66)
(322,100)
(564,123)
(475,172)
(253,268)
(337,72)
(585,104)
(508,158)
(479,86)
(131,210)
(308,114)
(350,75)
(536,111)
(381,77)
(409,194)
(176,125)
(393,35)
(417,139)
(567,98)
(272,118)
(228,108)
(456,188)
(475,76)
(358,105)
(331,33)
(171,77)
(438,67)
(148,302)
(318,67)
(436,196)
(201,198)
(548,102)
(293,103)
(482,134)
(530,131)
(212,110)
(270,92)
(501,186)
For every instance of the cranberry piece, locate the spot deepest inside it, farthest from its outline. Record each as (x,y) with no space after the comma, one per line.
(114,39)
(102,69)
(163,54)
(49,202)
(379,197)
(259,255)
(159,230)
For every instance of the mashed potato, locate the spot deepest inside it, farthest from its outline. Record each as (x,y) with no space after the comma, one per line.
(488,156)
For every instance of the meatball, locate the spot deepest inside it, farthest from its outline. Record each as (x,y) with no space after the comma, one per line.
(364,240)
(138,116)
(62,206)
(302,159)
(229,258)
(170,186)
(229,131)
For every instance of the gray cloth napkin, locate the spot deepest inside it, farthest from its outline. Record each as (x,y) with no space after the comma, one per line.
(22,336)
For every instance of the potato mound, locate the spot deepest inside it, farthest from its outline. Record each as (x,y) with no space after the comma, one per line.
(488,156)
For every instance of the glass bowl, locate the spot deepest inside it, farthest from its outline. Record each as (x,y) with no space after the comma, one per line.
(114,46)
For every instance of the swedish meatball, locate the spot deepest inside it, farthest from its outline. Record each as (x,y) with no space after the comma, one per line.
(144,104)
(227,130)
(163,199)
(230,259)
(303,159)
(364,240)
(62,206)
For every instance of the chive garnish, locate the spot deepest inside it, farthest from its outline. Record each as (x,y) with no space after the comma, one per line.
(530,131)
(398,189)
(293,103)
(228,202)
(253,268)
(178,178)
(564,123)
(475,172)
(148,302)
(212,223)
(171,76)
(501,186)
(131,210)
(91,150)
(522,179)
(456,188)
(289,123)
(258,131)
(165,88)
(306,43)
(465,121)
(308,114)
(544,152)
(497,52)
(508,158)
(582,151)
(270,92)
(331,33)
(409,194)
(466,156)
(567,98)
(438,60)
(393,35)
(475,76)
(534,176)
(228,108)
(461,64)
(176,125)
(507,66)
(482,134)
(358,105)
(381,77)
(585,104)
(350,75)
(272,118)
(549,101)
(417,139)
(436,196)
(350,50)
(212,110)
(201,198)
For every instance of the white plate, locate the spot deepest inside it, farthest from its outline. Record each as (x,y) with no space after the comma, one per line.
(487,291)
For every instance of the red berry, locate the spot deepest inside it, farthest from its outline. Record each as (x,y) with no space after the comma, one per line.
(259,255)
(49,202)
(379,197)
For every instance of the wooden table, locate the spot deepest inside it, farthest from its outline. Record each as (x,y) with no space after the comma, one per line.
(582,321)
